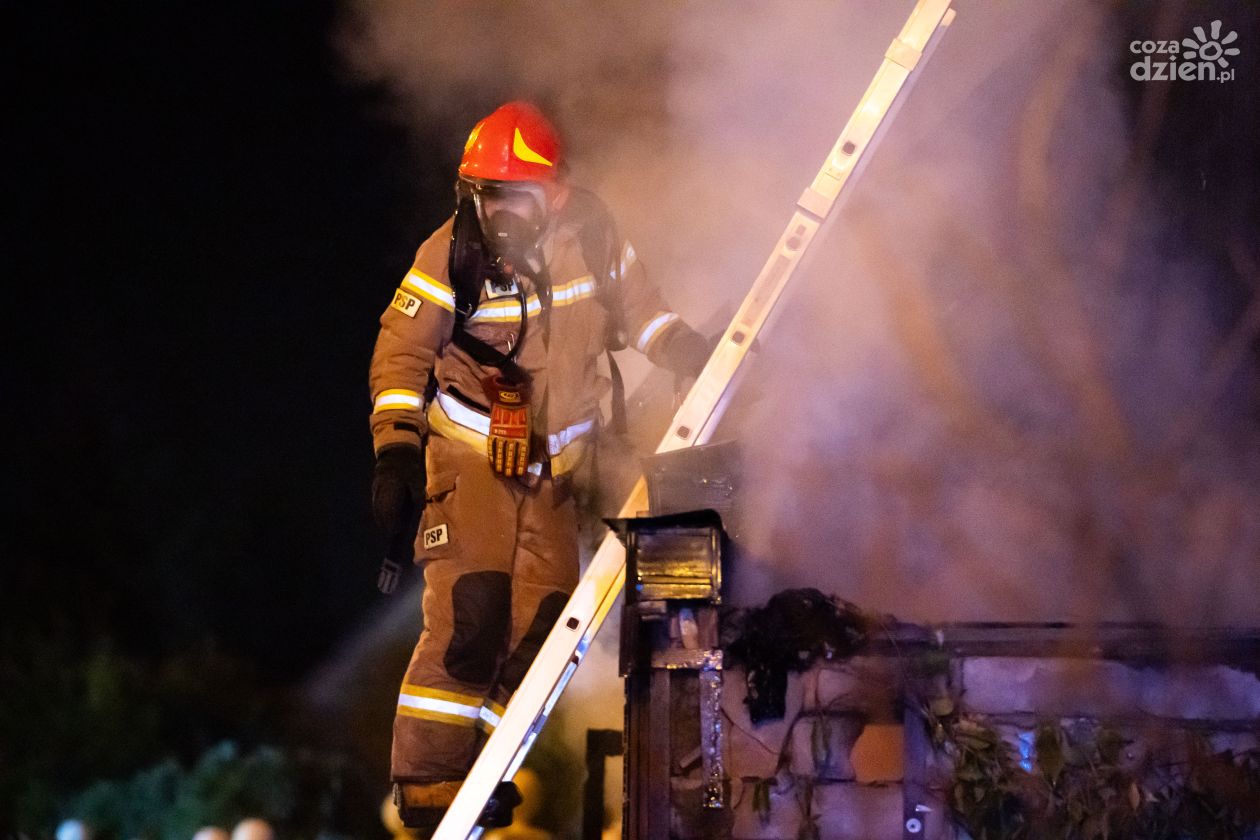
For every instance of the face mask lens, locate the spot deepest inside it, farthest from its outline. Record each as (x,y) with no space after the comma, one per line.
(517,202)
(512,218)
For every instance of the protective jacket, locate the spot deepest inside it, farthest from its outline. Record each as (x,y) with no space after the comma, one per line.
(566,328)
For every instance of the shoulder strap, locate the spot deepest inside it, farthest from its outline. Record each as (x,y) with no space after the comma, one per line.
(469,262)
(484,354)
(601,251)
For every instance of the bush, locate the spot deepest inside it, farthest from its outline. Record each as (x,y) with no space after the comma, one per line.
(166,802)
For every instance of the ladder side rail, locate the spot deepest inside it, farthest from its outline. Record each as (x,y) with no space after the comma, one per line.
(693,425)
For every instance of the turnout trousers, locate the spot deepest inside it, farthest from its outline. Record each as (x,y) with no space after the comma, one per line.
(500,561)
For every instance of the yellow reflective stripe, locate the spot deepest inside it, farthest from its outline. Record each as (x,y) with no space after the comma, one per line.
(441,706)
(439,717)
(430,289)
(498,312)
(464,415)
(653,330)
(571,442)
(522,150)
(573,291)
(496,708)
(439,694)
(503,318)
(395,399)
(505,310)
(568,458)
(441,423)
(576,281)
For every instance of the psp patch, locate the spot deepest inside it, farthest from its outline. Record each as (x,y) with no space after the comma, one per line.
(501,290)
(406,303)
(435,536)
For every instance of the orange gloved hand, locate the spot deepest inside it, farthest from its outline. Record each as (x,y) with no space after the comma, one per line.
(507,445)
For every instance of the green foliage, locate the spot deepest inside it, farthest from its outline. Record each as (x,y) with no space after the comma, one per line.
(167,802)
(987,791)
(134,808)
(1214,796)
(71,714)
(1081,789)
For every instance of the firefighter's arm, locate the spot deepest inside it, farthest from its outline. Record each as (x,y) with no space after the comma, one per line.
(652,327)
(415,327)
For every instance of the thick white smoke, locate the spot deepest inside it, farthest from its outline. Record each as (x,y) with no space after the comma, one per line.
(987,396)
(1002,405)
(997,393)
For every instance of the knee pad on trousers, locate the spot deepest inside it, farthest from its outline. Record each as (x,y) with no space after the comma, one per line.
(549,609)
(482,607)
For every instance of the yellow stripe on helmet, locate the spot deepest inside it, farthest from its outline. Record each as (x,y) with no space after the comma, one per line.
(522,150)
(472,135)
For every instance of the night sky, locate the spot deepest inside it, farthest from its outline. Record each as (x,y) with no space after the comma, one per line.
(207,216)
(210,218)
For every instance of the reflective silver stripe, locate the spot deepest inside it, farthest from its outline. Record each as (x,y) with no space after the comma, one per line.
(557,442)
(490,717)
(432,704)
(653,327)
(462,414)
(475,421)
(573,291)
(510,310)
(506,310)
(430,288)
(497,312)
(396,400)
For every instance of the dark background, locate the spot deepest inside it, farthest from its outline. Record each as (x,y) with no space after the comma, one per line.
(206,220)
(206,217)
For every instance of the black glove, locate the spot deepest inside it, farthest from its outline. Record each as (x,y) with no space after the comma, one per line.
(397,502)
(688,352)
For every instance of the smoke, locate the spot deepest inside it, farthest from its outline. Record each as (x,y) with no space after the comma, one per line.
(1003,389)
(1024,410)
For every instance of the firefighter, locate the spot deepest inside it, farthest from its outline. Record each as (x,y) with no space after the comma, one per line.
(485,399)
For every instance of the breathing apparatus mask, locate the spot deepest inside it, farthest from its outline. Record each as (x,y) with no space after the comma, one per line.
(513,216)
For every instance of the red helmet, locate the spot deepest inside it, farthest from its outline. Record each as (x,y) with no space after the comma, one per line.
(515,143)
